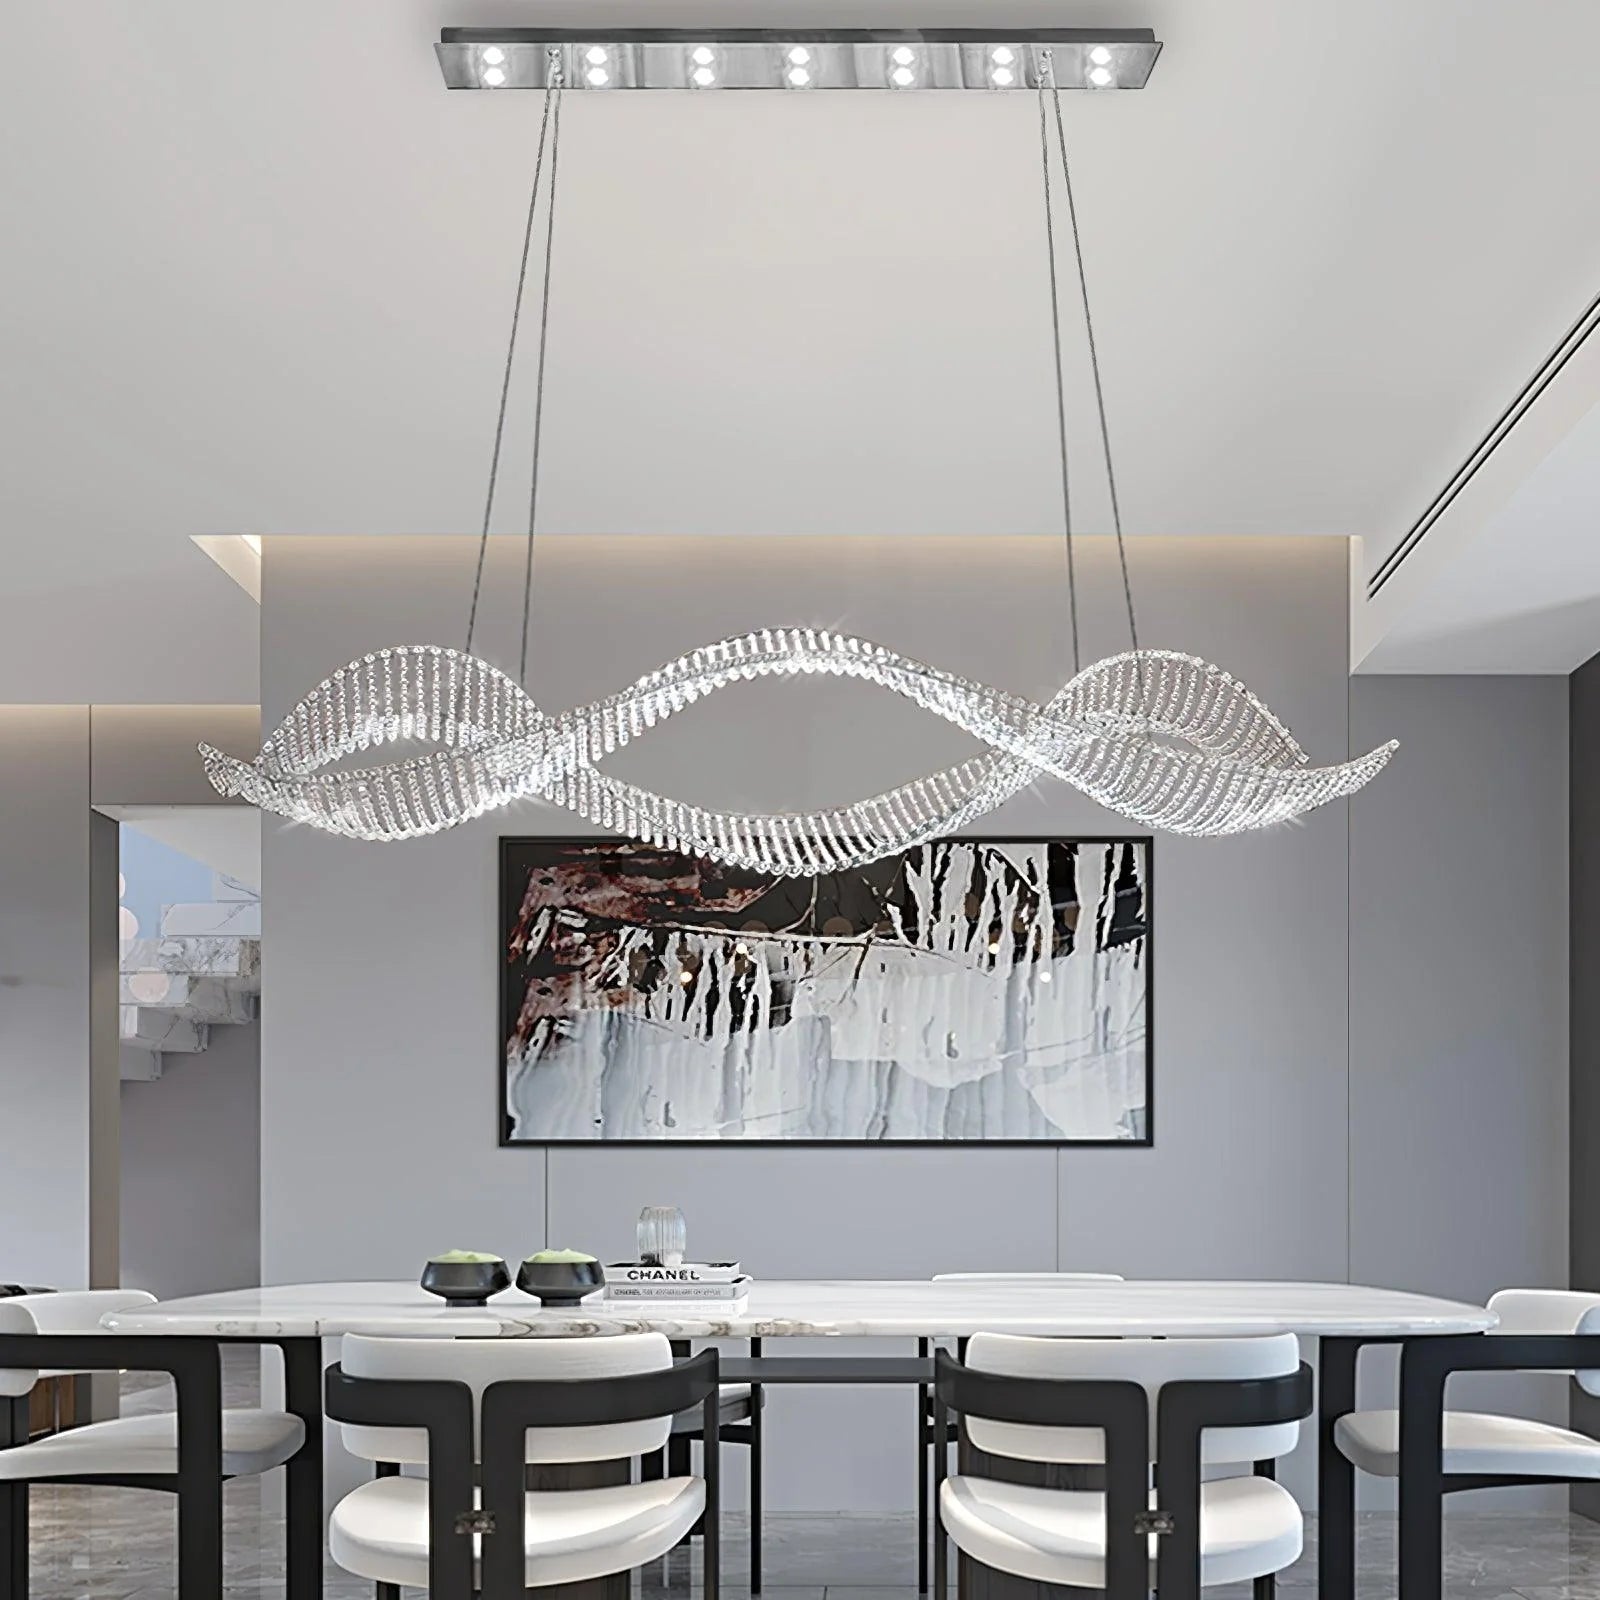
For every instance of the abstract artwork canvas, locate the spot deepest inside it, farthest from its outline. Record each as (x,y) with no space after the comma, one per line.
(965,990)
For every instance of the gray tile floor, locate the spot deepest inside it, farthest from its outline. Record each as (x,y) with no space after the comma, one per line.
(111,1544)
(117,1544)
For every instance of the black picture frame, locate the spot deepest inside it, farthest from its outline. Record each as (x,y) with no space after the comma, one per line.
(508,906)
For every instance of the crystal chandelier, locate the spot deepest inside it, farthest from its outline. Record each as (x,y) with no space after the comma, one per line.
(1166,740)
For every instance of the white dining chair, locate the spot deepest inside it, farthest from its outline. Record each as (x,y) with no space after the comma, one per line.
(1487,1449)
(1245,1397)
(561,1403)
(139,1452)
(925,1429)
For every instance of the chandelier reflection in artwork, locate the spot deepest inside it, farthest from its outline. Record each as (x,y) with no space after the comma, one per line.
(1166,740)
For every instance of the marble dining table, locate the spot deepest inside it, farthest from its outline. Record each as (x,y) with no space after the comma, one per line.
(299,1318)
(827,1308)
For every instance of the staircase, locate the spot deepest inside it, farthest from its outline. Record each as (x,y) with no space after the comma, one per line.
(203,971)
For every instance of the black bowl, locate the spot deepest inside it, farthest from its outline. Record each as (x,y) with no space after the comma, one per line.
(466,1283)
(559,1283)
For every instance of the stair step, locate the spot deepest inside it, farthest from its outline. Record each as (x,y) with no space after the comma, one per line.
(135,1064)
(214,917)
(200,999)
(163,1030)
(201,956)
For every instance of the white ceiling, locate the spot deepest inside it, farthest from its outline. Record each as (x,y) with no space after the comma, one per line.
(258,266)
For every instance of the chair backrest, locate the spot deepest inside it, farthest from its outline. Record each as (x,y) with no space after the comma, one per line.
(73,1311)
(1150,1362)
(481,1362)
(1028,1277)
(1550,1311)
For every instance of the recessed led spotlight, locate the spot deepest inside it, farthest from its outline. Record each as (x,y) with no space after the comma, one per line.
(494,76)
(1100,77)
(494,56)
(596,55)
(904,77)
(799,56)
(704,77)
(1003,56)
(1001,77)
(903,56)
(1100,56)
(703,55)
(598,77)
(799,77)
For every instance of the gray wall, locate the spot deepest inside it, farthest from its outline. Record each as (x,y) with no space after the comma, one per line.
(378,1083)
(1458,1000)
(1584,706)
(191,1170)
(378,1080)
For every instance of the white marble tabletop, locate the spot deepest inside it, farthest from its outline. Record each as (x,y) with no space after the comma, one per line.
(844,1307)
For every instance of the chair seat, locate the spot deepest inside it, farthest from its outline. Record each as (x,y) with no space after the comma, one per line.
(380,1530)
(1249,1527)
(1475,1442)
(252,1442)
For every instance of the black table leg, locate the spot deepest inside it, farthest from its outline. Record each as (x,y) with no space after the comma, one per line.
(1422,1381)
(380,1590)
(1336,1478)
(756,1401)
(198,1381)
(14,1505)
(302,1372)
(1266,1586)
(924,1394)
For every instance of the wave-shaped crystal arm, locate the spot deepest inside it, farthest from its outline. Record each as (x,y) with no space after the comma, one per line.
(1103,733)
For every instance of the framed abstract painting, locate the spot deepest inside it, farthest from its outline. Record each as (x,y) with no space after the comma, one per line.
(966,991)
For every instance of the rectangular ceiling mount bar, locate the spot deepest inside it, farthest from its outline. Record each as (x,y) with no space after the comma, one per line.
(797,60)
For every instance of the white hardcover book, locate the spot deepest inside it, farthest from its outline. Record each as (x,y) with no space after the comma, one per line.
(718,1293)
(684,1272)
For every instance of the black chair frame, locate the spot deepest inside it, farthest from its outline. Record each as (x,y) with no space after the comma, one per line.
(1426,1366)
(1120,1409)
(510,1408)
(196,1371)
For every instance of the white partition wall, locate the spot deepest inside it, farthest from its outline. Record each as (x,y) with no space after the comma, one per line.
(58,1176)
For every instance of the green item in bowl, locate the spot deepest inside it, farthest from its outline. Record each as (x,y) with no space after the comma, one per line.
(564,1257)
(463,1258)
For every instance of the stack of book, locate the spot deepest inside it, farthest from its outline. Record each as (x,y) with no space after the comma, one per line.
(721,1283)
